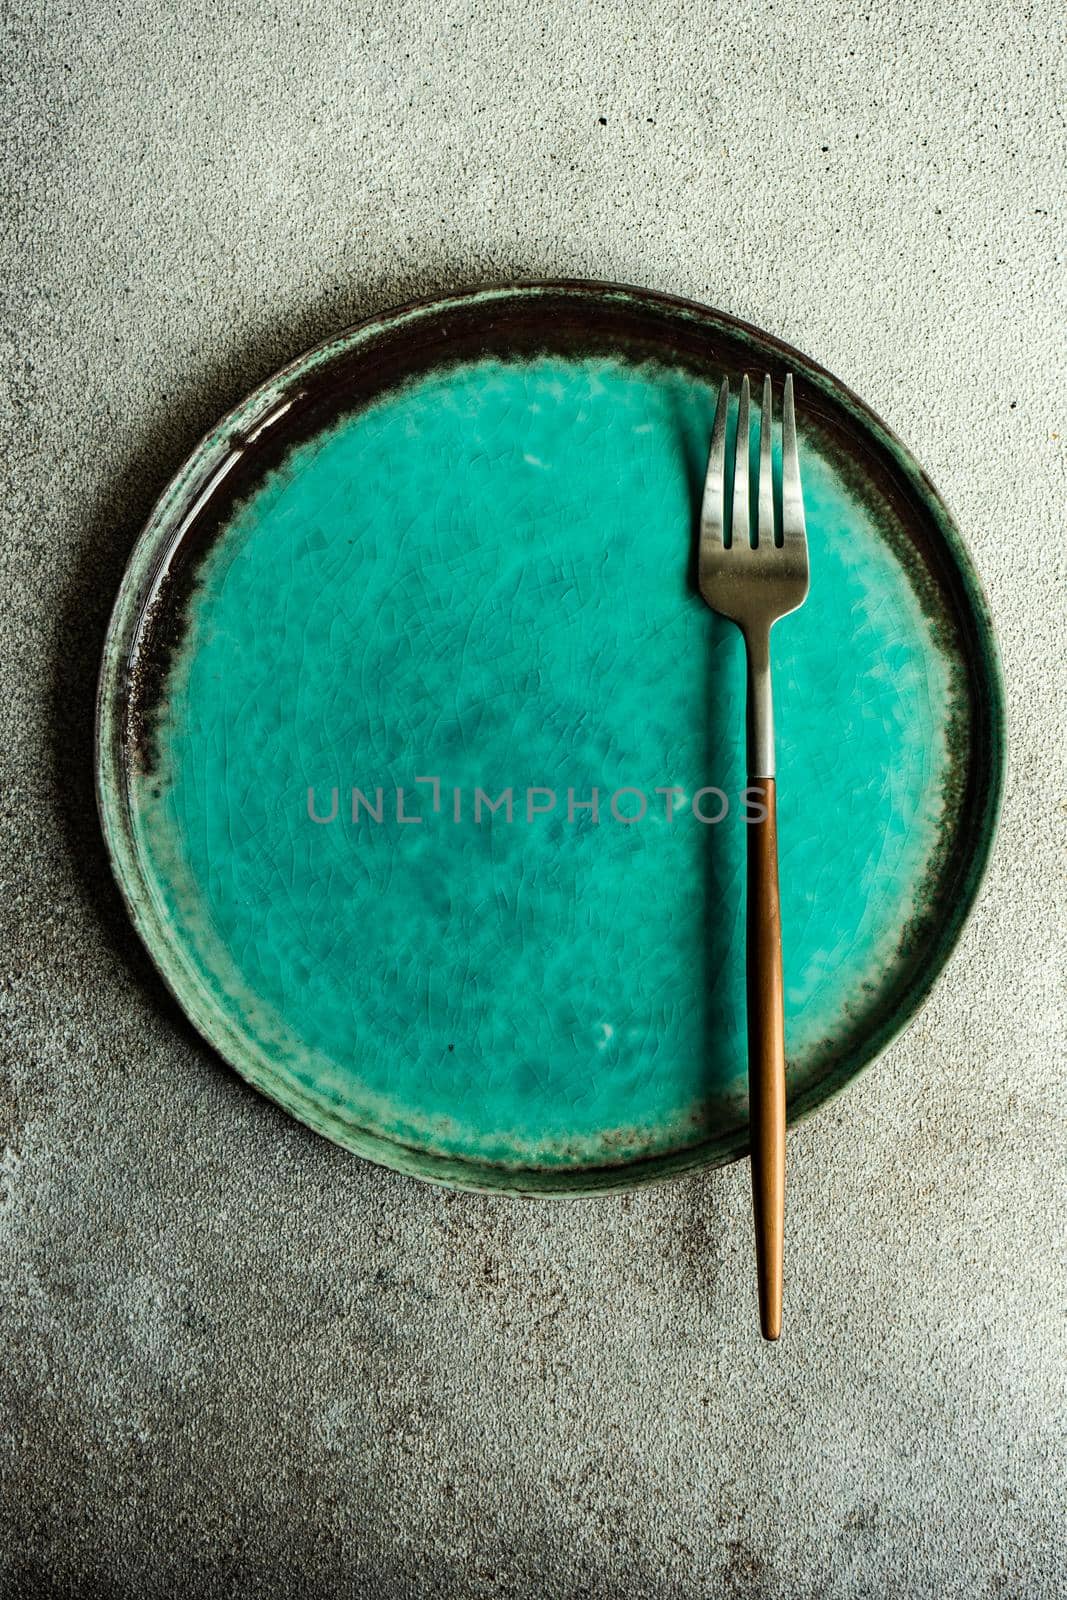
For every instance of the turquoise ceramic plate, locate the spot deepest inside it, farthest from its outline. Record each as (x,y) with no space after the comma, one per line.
(452,552)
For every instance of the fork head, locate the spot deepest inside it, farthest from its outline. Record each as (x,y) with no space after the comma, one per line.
(753,579)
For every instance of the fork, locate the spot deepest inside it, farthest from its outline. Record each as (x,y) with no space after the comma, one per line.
(753,581)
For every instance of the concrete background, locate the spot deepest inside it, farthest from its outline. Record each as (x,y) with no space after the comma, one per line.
(238,1361)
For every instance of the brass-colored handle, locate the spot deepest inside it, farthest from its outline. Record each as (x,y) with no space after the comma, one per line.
(766,1054)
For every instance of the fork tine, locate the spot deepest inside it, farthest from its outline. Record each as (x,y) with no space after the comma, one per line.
(792,498)
(739,534)
(765,529)
(712,510)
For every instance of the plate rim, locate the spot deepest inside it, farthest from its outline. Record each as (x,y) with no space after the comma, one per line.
(196,477)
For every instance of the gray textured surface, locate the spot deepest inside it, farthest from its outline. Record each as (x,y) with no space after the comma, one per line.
(239,1361)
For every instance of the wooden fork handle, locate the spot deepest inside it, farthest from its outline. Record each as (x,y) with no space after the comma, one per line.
(766,1053)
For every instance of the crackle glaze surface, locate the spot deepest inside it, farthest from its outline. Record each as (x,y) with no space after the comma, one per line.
(482,575)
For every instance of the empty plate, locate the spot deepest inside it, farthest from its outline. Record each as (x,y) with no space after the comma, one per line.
(421,761)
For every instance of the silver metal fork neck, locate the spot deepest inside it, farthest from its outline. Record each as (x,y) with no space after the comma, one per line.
(760,719)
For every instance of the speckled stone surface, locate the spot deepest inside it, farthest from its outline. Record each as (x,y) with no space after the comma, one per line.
(239,1361)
